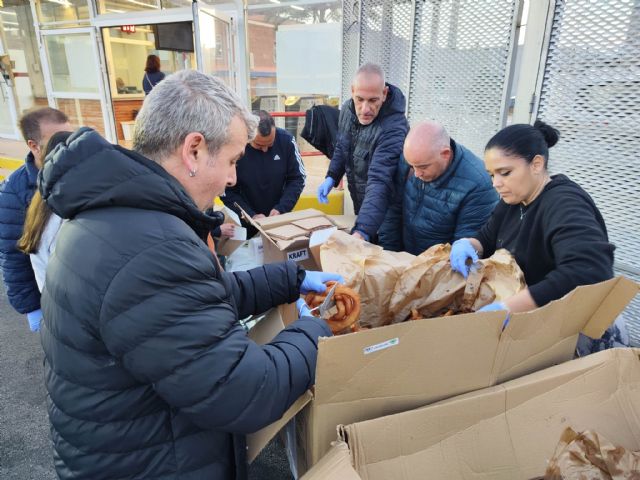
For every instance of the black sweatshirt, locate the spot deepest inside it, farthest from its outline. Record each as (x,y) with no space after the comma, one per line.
(268,180)
(559,240)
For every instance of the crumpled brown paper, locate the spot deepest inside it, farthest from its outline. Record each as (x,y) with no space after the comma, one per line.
(390,284)
(431,287)
(367,269)
(590,456)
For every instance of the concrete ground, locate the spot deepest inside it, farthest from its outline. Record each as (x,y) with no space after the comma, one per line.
(25,446)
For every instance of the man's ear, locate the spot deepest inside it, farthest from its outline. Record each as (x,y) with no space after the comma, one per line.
(385,92)
(34,147)
(192,151)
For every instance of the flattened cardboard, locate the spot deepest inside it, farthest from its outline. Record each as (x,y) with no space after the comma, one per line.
(312,224)
(507,431)
(287,232)
(263,332)
(408,365)
(335,465)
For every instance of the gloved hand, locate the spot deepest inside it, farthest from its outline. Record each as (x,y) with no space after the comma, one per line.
(461,250)
(497,306)
(315,281)
(324,189)
(303,308)
(34,320)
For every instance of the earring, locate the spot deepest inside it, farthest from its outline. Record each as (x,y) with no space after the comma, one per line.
(192,173)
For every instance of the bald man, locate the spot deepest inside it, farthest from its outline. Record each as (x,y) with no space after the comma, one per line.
(443,193)
(371,130)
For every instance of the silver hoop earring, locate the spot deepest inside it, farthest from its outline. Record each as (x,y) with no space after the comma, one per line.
(192,173)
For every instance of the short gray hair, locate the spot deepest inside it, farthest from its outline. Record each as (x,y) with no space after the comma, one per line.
(185,102)
(371,69)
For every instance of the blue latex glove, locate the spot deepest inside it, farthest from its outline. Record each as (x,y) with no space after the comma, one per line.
(324,189)
(34,320)
(315,281)
(495,307)
(461,251)
(303,308)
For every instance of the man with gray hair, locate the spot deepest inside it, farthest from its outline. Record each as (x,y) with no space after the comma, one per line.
(371,128)
(443,193)
(148,370)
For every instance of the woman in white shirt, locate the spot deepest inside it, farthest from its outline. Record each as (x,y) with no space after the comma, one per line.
(41,225)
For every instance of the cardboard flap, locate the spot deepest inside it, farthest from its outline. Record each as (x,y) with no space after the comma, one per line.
(258,440)
(411,360)
(508,431)
(335,465)
(550,333)
(615,302)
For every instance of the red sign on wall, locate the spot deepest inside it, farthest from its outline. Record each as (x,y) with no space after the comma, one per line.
(128,28)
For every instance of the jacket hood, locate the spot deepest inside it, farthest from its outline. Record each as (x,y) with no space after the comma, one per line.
(87,172)
(394,104)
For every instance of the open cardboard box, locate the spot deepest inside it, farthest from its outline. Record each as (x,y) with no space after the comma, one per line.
(401,367)
(296,248)
(226,246)
(508,431)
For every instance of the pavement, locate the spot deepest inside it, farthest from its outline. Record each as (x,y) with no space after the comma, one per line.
(25,445)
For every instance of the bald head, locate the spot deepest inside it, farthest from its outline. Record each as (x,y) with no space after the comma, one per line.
(427,149)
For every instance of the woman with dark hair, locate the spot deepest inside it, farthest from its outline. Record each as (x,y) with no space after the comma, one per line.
(549,223)
(152,74)
(41,224)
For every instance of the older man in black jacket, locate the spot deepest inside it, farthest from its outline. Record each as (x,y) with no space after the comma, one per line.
(149,372)
(371,130)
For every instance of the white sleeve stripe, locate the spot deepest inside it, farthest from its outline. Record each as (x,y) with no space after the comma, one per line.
(299,159)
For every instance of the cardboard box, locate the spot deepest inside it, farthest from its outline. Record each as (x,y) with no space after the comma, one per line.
(226,246)
(408,365)
(297,248)
(505,432)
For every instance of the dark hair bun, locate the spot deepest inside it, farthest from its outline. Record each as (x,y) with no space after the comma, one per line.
(550,134)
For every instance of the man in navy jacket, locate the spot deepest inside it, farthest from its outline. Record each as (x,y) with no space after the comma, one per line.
(443,193)
(37,127)
(271,174)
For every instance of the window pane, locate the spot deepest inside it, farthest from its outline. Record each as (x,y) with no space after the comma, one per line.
(82,113)
(122,6)
(72,63)
(69,12)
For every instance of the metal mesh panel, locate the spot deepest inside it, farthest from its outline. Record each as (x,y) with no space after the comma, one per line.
(350,44)
(460,64)
(386,38)
(591,93)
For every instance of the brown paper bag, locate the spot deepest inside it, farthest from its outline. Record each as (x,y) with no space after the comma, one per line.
(591,456)
(429,285)
(369,270)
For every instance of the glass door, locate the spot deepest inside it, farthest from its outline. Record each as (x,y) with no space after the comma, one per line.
(72,72)
(8,116)
(214,51)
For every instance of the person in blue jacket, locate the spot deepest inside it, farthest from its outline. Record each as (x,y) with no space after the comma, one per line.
(37,127)
(372,127)
(270,174)
(443,193)
(149,372)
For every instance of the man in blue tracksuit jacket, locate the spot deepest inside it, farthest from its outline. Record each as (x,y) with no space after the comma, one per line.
(443,193)
(270,175)
(16,191)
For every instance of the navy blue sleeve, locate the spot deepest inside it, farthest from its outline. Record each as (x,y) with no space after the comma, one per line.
(380,188)
(295,179)
(174,328)
(390,235)
(259,289)
(17,273)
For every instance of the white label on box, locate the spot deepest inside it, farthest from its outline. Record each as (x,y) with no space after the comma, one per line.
(381,346)
(298,255)
(239,233)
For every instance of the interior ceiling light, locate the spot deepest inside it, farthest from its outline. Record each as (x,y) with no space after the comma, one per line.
(297,7)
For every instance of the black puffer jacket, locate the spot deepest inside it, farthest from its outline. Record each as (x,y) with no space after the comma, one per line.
(369,154)
(148,372)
